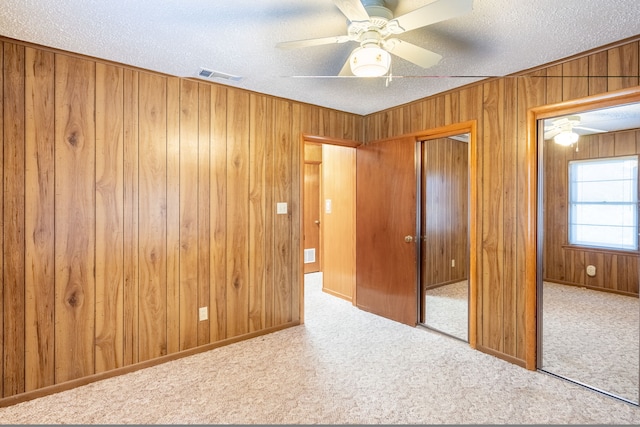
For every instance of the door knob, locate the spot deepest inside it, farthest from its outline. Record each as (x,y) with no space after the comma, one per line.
(408,239)
(316,222)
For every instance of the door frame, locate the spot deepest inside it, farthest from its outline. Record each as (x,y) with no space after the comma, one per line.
(314,139)
(444,132)
(438,133)
(534,204)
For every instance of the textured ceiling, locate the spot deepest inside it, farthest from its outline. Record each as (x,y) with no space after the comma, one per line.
(239,37)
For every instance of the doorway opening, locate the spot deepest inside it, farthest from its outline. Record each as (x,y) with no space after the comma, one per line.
(328,216)
(444,236)
(446,231)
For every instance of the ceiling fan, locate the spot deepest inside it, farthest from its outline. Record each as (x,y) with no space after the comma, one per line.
(372,25)
(567,125)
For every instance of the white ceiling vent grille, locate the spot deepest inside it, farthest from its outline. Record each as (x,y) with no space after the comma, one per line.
(211,74)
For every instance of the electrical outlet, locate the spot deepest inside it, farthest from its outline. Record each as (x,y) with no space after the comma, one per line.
(591,270)
(203,313)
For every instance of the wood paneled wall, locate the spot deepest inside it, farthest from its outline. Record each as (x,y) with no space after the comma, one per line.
(445,211)
(130,200)
(500,108)
(615,271)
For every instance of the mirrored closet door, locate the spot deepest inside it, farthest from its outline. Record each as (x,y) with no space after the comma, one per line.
(589,314)
(444,249)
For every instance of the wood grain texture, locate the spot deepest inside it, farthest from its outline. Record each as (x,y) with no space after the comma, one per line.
(103,156)
(188,214)
(218,215)
(39,219)
(238,212)
(623,66)
(492,258)
(151,153)
(152,220)
(258,135)
(131,220)
(109,218)
(575,83)
(531,93)
(339,227)
(282,183)
(2,102)
(13,220)
(75,218)
(385,264)
(173,215)
(296,274)
(445,213)
(511,202)
(597,73)
(204,233)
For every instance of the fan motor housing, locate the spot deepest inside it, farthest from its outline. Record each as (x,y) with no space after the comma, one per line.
(376,8)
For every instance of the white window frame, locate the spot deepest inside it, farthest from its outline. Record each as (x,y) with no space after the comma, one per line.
(627,188)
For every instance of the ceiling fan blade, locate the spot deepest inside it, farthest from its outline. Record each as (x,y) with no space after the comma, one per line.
(313,42)
(412,53)
(352,9)
(551,133)
(587,130)
(346,68)
(437,11)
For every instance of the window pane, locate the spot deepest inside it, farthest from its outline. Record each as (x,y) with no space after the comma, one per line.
(603,191)
(603,202)
(617,215)
(613,237)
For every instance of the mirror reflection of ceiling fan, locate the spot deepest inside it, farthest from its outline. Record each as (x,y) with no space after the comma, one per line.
(373,26)
(566,130)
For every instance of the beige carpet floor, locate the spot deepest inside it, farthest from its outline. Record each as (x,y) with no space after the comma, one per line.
(447,309)
(592,337)
(344,366)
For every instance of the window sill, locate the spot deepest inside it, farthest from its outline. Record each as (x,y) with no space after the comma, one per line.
(626,252)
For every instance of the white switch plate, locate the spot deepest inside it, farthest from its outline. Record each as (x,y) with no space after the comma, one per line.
(281,208)
(203,313)
(327,206)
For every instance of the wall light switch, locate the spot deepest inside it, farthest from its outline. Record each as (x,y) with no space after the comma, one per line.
(327,206)
(203,313)
(281,208)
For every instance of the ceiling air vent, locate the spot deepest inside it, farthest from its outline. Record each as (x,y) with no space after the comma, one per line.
(210,74)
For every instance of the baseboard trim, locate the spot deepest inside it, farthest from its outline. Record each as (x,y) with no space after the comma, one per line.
(499,355)
(336,294)
(68,385)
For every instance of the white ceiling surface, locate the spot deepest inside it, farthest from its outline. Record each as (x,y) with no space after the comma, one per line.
(239,37)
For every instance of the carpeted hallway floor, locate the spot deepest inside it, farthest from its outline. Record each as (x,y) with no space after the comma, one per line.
(344,366)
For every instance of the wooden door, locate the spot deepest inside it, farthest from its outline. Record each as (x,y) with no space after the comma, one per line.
(386,265)
(311,217)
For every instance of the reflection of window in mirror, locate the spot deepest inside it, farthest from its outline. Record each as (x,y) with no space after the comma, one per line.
(603,195)
(601,175)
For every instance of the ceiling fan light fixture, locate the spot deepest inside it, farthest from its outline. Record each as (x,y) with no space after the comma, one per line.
(566,138)
(369,61)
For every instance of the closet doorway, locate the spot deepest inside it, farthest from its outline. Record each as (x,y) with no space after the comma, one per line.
(588,252)
(444,240)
